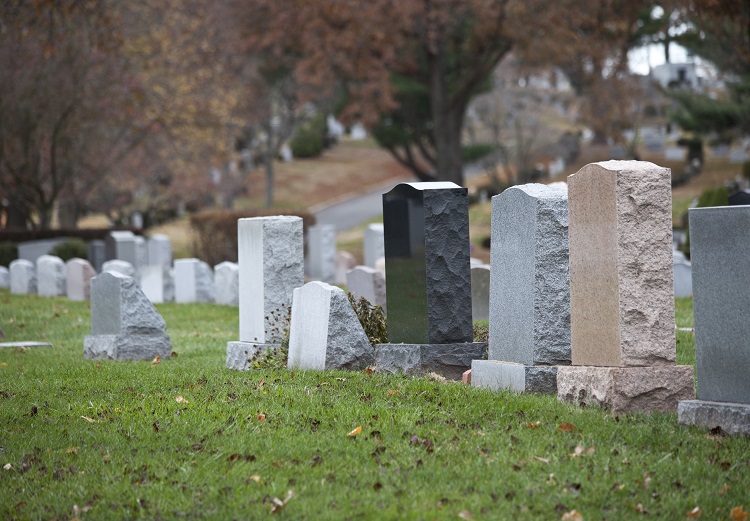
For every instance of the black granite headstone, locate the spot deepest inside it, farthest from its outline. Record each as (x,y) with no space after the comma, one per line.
(428,276)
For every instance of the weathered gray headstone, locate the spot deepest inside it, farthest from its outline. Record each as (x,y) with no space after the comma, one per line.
(325,332)
(159,250)
(157,283)
(22,277)
(321,252)
(4,277)
(374,246)
(480,292)
(720,254)
(428,282)
(344,262)
(529,289)
(227,283)
(622,290)
(121,245)
(78,275)
(367,282)
(50,274)
(119,266)
(271,260)
(124,324)
(97,254)
(683,278)
(193,281)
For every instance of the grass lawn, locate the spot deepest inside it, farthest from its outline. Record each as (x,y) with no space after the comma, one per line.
(187,438)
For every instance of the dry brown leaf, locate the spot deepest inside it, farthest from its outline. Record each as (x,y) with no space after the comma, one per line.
(573,515)
(566,427)
(391,392)
(90,420)
(4,364)
(543,460)
(724,489)
(71,450)
(694,513)
(261,417)
(355,431)
(535,425)
(8,466)
(278,504)
(738,514)
(465,514)
(255,478)
(181,399)
(156,360)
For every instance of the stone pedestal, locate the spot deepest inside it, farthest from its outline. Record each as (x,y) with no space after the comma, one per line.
(448,360)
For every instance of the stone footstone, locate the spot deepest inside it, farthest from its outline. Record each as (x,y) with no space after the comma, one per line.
(498,376)
(50,273)
(448,360)
(239,354)
(22,277)
(4,277)
(626,389)
(732,418)
(79,273)
(325,332)
(124,323)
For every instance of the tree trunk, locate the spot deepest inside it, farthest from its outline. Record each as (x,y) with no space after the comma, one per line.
(448,122)
(268,164)
(18,218)
(67,214)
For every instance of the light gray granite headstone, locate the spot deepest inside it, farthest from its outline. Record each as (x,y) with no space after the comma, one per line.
(480,292)
(157,283)
(193,281)
(124,324)
(78,275)
(325,331)
(159,250)
(22,277)
(119,266)
(50,273)
(374,244)
(227,283)
(121,245)
(344,262)
(4,277)
(367,282)
(321,252)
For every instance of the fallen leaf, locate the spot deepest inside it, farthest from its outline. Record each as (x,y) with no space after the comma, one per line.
(90,420)
(181,399)
(724,489)
(465,514)
(4,364)
(255,478)
(156,360)
(640,508)
(391,392)
(71,450)
(694,513)
(535,425)
(355,431)
(566,427)
(278,504)
(8,466)
(580,450)
(368,370)
(738,514)
(543,460)
(261,417)
(573,515)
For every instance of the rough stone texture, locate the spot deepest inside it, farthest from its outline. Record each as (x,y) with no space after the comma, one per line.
(621,281)
(733,418)
(683,278)
(529,292)
(124,324)
(271,261)
(344,262)
(159,250)
(496,375)
(367,282)
(79,273)
(32,250)
(240,353)
(227,283)
(325,332)
(121,245)
(480,292)
(50,274)
(720,253)
(118,266)
(448,360)
(22,274)
(626,389)
(97,254)
(428,283)
(157,283)
(321,252)
(374,246)
(193,281)
(4,277)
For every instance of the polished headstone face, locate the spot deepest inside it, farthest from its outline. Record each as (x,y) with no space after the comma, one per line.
(428,278)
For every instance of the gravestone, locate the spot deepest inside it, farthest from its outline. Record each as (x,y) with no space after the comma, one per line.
(157,283)
(120,245)
(78,275)
(621,290)
(4,277)
(529,291)
(32,250)
(380,266)
(271,261)
(159,250)
(325,333)
(193,281)
(374,245)
(227,283)
(720,254)
(119,266)
(321,252)
(344,262)
(141,252)
(428,283)
(97,254)
(50,274)
(367,282)
(22,275)
(683,276)
(124,324)
(480,292)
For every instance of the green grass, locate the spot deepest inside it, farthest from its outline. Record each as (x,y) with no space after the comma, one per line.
(110,439)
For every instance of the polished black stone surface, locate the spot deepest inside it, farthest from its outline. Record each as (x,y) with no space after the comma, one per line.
(428,277)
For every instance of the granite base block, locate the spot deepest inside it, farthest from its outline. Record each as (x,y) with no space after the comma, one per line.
(127,347)
(448,360)
(240,353)
(733,418)
(626,389)
(497,376)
